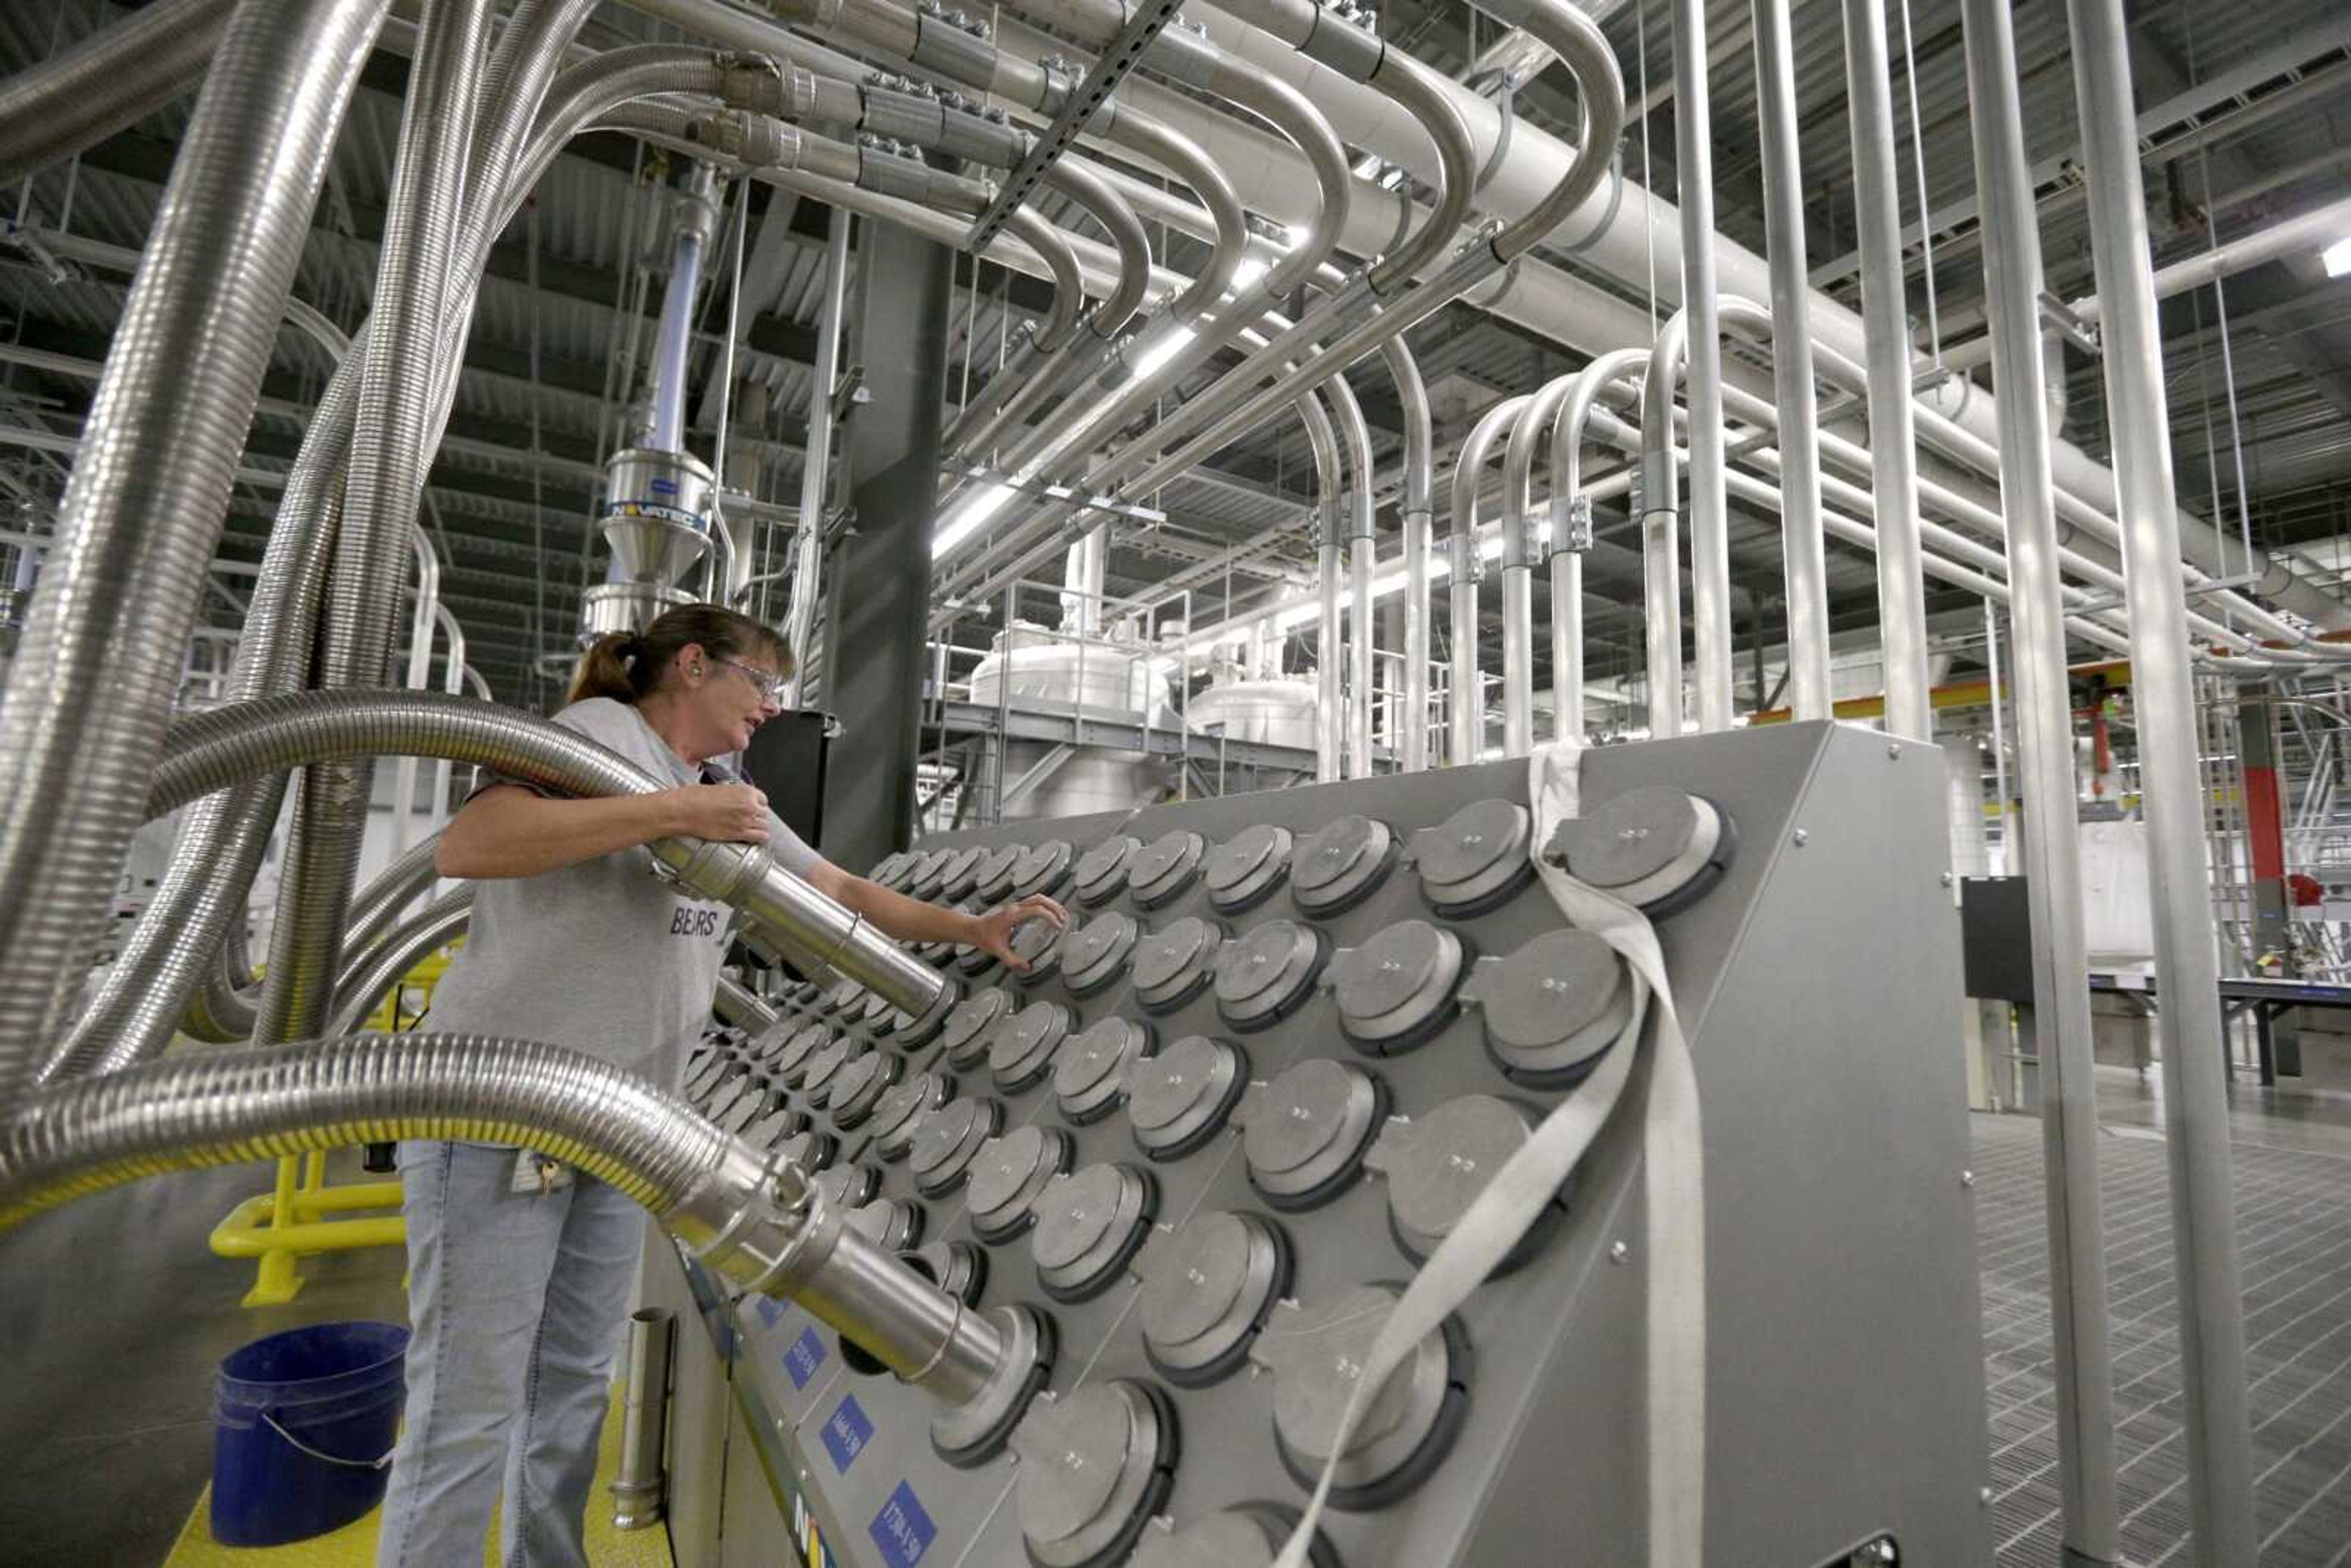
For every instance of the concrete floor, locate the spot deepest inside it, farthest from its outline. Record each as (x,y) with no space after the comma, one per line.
(115,1316)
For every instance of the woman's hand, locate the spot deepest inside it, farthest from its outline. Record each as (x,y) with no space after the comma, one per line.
(992,931)
(722,813)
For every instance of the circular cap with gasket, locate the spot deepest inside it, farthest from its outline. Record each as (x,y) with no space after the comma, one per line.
(1043,868)
(1089,1078)
(774,1127)
(1177,1099)
(1007,1175)
(1088,1225)
(891,1224)
(848,1186)
(1176,963)
(1476,859)
(1657,848)
(993,878)
(742,1108)
(929,871)
(1247,1535)
(1038,940)
(900,1107)
(1020,1049)
(1101,871)
(825,1067)
(1316,1354)
(973,959)
(878,1015)
(1096,1464)
(1241,872)
(1093,955)
(1162,869)
(810,1150)
(915,1030)
(1206,1288)
(1306,1133)
(792,1057)
(1340,864)
(1438,1162)
(956,1267)
(1397,990)
(858,1086)
(964,1034)
(1554,1006)
(961,871)
(1264,976)
(946,1141)
(891,870)
(845,997)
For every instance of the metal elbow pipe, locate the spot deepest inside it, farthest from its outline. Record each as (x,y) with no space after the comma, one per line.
(1567,556)
(212,750)
(752,1217)
(1466,721)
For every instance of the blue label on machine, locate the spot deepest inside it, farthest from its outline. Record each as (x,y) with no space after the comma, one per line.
(664,486)
(770,1310)
(902,1530)
(847,1433)
(805,1355)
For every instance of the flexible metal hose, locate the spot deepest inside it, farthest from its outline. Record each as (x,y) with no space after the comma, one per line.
(107,82)
(384,485)
(91,685)
(365,980)
(212,750)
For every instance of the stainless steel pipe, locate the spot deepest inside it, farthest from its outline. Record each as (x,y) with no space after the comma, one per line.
(106,82)
(639,1490)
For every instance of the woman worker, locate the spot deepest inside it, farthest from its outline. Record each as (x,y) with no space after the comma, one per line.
(520,1273)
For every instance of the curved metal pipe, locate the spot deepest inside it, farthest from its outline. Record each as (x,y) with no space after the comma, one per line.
(366,979)
(1329,484)
(1465,725)
(106,82)
(95,671)
(212,750)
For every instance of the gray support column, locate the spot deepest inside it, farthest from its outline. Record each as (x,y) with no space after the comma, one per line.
(2187,974)
(882,582)
(2051,836)
(745,463)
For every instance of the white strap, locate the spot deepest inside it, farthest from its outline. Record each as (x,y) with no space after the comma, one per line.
(1529,1180)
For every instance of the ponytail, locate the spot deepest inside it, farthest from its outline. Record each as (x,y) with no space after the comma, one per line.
(628,666)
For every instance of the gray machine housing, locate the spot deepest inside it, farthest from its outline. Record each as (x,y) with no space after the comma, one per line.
(1819,986)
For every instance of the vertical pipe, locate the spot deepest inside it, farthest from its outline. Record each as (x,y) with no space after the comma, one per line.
(1566,643)
(1999,738)
(1885,327)
(1356,437)
(1329,725)
(1518,658)
(420,674)
(1416,640)
(638,1491)
(2078,1270)
(808,547)
(452,681)
(1805,560)
(1465,723)
(2196,1089)
(1709,510)
(673,339)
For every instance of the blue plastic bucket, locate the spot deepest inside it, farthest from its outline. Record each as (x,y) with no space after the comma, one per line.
(303,1424)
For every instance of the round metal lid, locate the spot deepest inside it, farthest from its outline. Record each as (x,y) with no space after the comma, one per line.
(1317,1358)
(1397,983)
(1475,857)
(845,997)
(825,1066)
(898,1108)
(1093,953)
(1549,991)
(791,1062)
(1094,1466)
(1043,867)
(1173,964)
(1247,867)
(1205,1289)
(1087,1224)
(742,1110)
(1261,976)
(775,1126)
(1021,1049)
(1164,867)
(1178,1098)
(1038,940)
(973,959)
(847,1186)
(957,1267)
(946,1139)
(965,1032)
(860,1085)
(808,1149)
(1090,1075)
(927,873)
(1339,863)
(888,1224)
(1440,1162)
(1308,1130)
(1629,836)
(1008,1173)
(1230,1540)
(993,878)
(891,870)
(961,871)
(878,1015)
(1101,871)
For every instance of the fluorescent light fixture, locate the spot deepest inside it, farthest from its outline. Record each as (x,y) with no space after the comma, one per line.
(2337,257)
(958,524)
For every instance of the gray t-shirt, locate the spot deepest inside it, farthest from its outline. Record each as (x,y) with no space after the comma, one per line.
(602,957)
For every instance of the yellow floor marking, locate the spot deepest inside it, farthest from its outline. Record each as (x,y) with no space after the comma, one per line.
(353,1546)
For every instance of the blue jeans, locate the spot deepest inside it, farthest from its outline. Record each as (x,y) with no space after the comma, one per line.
(517,1300)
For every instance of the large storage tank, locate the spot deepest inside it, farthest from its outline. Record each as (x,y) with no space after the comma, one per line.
(1041,671)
